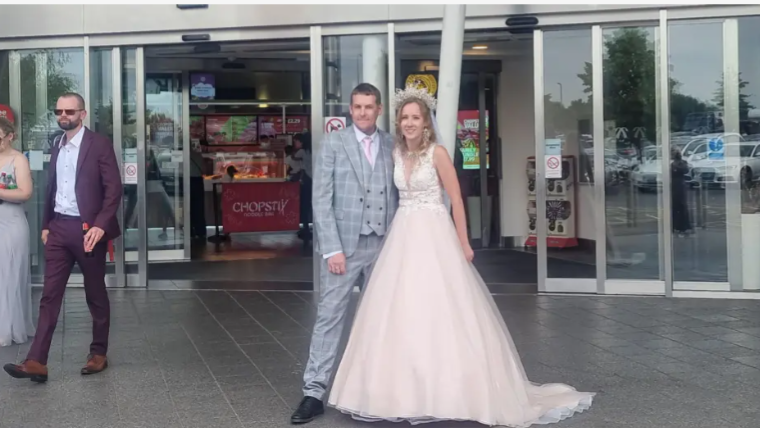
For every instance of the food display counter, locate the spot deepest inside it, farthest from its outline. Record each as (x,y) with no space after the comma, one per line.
(245,174)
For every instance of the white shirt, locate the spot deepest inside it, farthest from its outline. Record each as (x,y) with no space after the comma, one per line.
(66,175)
(305,161)
(294,165)
(374,149)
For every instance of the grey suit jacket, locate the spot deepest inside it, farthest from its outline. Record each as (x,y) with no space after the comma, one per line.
(339,190)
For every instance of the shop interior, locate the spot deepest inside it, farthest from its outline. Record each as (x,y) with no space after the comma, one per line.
(248,107)
(239,137)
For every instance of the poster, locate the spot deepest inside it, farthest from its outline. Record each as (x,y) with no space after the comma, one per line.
(271,126)
(221,130)
(6,112)
(468,135)
(260,207)
(202,87)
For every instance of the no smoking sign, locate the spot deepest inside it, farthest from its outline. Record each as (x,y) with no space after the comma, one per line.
(333,124)
(130,173)
(553,166)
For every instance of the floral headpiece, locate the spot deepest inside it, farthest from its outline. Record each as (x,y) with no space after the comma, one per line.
(413,93)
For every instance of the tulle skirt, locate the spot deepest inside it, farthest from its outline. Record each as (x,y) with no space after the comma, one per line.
(429,344)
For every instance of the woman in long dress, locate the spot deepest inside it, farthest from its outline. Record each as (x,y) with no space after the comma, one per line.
(16,324)
(428,342)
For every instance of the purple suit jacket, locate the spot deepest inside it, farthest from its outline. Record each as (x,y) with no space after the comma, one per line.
(99,189)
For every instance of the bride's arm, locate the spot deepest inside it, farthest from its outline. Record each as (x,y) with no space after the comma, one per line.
(448,175)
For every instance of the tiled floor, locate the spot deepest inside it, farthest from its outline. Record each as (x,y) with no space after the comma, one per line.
(235,359)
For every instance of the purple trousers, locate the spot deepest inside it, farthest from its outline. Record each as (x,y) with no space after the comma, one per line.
(65,246)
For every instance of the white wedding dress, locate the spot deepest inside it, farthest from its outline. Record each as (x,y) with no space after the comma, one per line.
(428,343)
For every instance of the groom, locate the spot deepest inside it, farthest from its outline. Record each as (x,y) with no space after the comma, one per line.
(354,202)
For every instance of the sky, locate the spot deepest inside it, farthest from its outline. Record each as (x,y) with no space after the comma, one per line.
(695,57)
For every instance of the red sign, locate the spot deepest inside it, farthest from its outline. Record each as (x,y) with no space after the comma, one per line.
(272,125)
(6,112)
(260,207)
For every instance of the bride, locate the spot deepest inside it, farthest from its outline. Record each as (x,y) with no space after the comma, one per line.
(428,343)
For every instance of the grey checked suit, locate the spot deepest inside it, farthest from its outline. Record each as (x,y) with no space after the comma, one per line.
(353,205)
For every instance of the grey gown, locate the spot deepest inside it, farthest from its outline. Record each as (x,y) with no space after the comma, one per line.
(16,324)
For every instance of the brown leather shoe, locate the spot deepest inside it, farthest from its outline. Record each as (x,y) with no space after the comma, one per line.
(29,369)
(95,364)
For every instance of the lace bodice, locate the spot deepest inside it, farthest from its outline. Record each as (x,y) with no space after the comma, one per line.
(423,188)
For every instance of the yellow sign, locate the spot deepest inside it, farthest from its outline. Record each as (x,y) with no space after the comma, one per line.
(423,81)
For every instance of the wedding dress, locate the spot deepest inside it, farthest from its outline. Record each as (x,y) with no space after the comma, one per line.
(428,343)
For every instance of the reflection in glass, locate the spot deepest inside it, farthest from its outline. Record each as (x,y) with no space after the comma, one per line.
(164,157)
(101,102)
(350,60)
(129,154)
(568,120)
(45,75)
(699,196)
(744,225)
(633,212)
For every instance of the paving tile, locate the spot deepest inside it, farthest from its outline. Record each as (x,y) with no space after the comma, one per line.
(185,359)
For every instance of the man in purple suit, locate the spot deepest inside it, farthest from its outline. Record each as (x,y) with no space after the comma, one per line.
(84,190)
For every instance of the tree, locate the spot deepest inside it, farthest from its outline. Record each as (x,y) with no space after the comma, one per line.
(57,83)
(630,93)
(719,96)
(629,84)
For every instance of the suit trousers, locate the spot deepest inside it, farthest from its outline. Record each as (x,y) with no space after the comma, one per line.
(334,297)
(65,246)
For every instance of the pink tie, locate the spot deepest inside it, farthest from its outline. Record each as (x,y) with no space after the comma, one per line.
(368,149)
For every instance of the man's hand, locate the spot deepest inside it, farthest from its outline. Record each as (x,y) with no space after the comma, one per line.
(337,264)
(92,237)
(45,234)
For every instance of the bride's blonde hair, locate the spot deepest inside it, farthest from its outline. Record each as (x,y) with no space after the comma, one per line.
(428,135)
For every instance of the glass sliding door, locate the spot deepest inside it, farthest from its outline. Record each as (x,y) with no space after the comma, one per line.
(566,152)
(42,76)
(706,192)
(634,208)
(742,122)
(103,120)
(165,161)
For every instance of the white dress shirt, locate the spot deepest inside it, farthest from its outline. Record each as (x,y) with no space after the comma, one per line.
(66,175)
(374,149)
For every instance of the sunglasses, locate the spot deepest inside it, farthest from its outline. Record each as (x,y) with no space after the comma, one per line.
(69,112)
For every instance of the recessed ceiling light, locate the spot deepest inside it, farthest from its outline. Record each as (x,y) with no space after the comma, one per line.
(480,47)
(263,105)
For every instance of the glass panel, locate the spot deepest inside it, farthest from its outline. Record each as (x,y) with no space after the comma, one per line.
(467,153)
(45,75)
(129,154)
(633,211)
(698,196)
(101,105)
(350,60)
(5,96)
(568,124)
(164,157)
(743,234)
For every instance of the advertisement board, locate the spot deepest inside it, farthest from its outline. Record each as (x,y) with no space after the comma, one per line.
(260,207)
(468,135)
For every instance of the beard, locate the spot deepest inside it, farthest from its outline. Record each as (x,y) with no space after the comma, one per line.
(68,125)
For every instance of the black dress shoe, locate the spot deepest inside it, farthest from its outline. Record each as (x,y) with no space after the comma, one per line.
(309,409)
